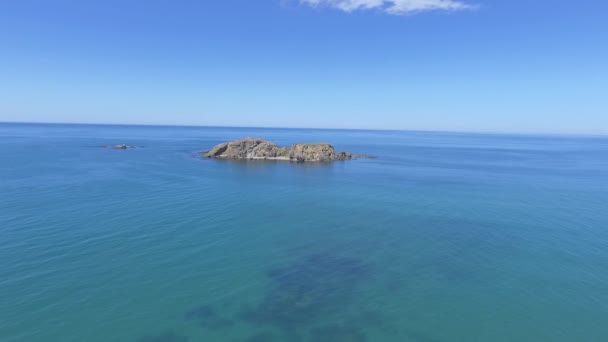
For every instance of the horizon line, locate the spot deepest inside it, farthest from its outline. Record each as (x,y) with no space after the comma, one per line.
(590,135)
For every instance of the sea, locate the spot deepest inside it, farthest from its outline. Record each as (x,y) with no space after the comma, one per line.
(441,237)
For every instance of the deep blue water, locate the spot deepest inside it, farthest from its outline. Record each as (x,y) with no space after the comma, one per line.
(443,237)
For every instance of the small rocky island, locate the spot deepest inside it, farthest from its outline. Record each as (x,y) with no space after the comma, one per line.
(121,147)
(259,149)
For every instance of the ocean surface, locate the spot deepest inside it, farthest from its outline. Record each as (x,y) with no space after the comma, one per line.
(442,237)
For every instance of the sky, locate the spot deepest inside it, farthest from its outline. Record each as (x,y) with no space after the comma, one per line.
(518,66)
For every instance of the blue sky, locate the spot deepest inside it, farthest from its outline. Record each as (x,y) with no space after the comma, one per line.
(470,65)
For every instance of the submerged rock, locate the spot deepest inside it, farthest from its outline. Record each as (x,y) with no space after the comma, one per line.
(318,287)
(337,333)
(168,336)
(251,148)
(208,318)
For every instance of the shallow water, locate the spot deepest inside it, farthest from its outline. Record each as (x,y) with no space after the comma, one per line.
(443,237)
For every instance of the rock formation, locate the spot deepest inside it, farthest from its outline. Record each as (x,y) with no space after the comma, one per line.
(248,149)
(262,149)
(121,147)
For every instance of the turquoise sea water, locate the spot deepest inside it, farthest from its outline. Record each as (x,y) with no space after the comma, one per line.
(443,237)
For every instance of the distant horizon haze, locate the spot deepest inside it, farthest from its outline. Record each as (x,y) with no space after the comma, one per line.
(525,133)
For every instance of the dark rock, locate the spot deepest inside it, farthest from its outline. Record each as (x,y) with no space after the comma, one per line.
(344,156)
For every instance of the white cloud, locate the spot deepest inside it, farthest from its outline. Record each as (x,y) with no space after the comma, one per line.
(396,7)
